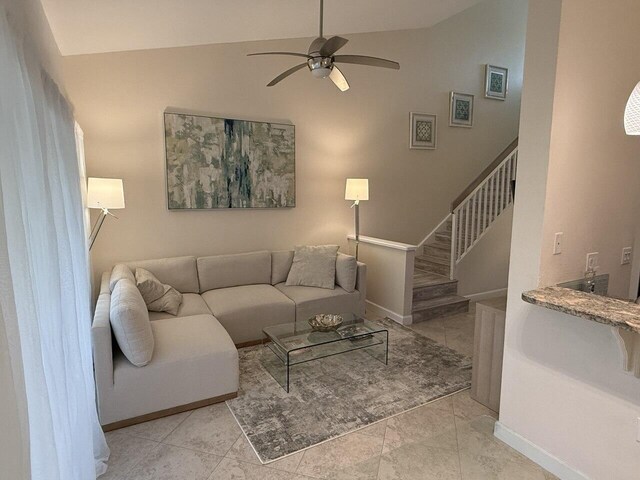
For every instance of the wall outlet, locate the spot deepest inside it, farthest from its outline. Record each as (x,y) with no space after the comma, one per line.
(626,256)
(557,243)
(592,261)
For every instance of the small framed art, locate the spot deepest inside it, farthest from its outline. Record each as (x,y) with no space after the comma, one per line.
(423,131)
(496,82)
(461,110)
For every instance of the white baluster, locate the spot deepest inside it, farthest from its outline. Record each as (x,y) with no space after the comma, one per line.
(466,227)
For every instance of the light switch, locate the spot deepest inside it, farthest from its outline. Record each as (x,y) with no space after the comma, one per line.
(626,256)
(592,261)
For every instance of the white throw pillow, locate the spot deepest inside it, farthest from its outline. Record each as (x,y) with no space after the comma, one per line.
(158,296)
(130,323)
(119,272)
(346,272)
(314,266)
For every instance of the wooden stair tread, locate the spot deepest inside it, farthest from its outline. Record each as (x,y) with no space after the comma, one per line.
(433,259)
(422,278)
(438,302)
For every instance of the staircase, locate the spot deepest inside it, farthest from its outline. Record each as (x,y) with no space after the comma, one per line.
(435,290)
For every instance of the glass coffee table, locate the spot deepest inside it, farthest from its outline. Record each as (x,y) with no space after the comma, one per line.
(292,344)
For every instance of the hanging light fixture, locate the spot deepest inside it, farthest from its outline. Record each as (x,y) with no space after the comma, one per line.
(632,113)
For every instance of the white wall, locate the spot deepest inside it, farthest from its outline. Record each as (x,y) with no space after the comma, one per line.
(563,387)
(31,27)
(593,193)
(120,97)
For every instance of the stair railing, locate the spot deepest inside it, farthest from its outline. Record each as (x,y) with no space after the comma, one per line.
(481,203)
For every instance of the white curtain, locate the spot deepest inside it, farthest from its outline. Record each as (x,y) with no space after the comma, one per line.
(45,297)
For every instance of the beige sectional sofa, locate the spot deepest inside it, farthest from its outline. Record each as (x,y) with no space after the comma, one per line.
(227,301)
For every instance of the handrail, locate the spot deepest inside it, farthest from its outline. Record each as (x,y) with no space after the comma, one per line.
(383,243)
(485,173)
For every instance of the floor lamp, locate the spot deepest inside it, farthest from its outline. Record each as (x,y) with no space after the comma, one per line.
(357,189)
(105,194)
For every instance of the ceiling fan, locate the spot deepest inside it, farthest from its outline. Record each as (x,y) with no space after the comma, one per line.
(321,59)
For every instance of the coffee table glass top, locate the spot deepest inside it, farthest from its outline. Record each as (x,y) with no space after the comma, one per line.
(296,343)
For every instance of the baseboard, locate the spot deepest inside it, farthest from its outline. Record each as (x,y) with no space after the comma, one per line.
(536,454)
(474,297)
(169,411)
(376,309)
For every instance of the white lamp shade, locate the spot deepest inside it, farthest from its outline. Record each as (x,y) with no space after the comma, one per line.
(632,113)
(357,189)
(105,193)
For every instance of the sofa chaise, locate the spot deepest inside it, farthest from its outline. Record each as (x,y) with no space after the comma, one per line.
(227,301)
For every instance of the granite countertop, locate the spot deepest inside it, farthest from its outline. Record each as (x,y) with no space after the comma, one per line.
(598,308)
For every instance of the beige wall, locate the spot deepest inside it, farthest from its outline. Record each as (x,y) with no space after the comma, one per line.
(566,401)
(30,24)
(485,269)
(593,188)
(120,97)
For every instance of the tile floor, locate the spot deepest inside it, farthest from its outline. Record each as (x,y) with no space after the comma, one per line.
(451,438)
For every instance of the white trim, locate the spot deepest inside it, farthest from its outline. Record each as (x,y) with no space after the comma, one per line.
(499,292)
(379,310)
(384,243)
(434,231)
(536,454)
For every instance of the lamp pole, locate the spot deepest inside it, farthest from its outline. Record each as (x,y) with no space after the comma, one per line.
(98,225)
(356,207)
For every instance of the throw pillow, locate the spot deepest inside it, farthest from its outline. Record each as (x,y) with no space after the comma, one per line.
(119,272)
(130,323)
(280,266)
(346,272)
(314,266)
(158,296)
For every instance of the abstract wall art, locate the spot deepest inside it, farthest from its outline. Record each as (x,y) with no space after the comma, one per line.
(219,163)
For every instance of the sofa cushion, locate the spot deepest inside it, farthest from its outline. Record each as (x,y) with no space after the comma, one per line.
(221,271)
(312,300)
(192,304)
(158,296)
(346,271)
(179,272)
(314,266)
(130,323)
(119,272)
(280,266)
(194,357)
(245,310)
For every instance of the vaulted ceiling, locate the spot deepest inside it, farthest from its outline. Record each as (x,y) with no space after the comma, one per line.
(94,26)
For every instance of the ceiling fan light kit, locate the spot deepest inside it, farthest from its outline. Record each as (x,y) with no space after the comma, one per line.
(321,59)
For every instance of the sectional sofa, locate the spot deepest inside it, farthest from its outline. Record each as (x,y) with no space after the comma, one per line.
(227,301)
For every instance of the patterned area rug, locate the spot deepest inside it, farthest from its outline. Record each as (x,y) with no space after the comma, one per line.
(337,395)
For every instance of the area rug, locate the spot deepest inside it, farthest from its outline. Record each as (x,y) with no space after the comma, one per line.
(337,395)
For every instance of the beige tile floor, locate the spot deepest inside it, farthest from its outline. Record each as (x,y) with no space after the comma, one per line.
(451,438)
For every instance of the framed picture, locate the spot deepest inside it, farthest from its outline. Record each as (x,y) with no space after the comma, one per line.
(423,131)
(496,82)
(461,110)
(219,163)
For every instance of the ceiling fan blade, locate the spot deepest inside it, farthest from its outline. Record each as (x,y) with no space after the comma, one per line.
(365,60)
(284,75)
(332,45)
(337,77)
(280,53)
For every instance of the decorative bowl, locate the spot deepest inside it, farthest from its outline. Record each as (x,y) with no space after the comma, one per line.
(325,322)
